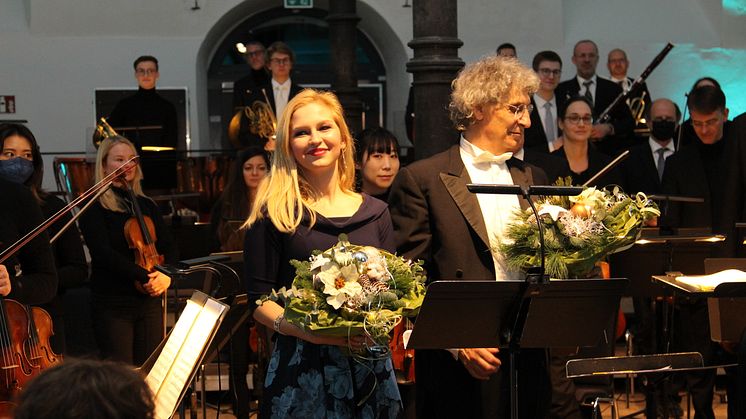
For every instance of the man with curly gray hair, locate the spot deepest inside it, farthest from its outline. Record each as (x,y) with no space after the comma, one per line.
(455,232)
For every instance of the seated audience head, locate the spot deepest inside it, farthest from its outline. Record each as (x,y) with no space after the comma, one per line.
(507,50)
(281,60)
(617,64)
(490,101)
(585,58)
(576,119)
(548,66)
(21,161)
(708,113)
(377,159)
(706,81)
(663,120)
(78,389)
(146,71)
(248,170)
(255,55)
(313,145)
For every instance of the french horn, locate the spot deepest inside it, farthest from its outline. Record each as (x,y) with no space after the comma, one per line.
(260,119)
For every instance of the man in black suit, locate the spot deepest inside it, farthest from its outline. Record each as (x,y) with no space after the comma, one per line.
(611,136)
(456,232)
(276,93)
(543,135)
(643,168)
(639,101)
(700,170)
(243,88)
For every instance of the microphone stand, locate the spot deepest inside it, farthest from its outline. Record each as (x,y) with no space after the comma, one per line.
(604,117)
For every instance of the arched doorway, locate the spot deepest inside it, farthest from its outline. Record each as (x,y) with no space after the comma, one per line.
(307,33)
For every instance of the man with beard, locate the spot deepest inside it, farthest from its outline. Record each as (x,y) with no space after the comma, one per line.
(455,232)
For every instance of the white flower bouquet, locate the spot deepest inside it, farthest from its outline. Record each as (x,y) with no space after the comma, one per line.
(350,290)
(579,231)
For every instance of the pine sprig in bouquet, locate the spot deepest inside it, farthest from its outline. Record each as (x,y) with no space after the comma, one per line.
(349,290)
(578,231)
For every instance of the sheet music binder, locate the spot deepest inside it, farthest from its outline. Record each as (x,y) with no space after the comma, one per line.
(479,314)
(173,366)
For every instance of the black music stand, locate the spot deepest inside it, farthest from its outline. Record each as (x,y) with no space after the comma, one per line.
(516,314)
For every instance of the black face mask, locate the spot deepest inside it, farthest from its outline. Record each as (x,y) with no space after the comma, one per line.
(663,130)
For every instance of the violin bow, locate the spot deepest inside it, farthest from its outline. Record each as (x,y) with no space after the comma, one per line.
(98,189)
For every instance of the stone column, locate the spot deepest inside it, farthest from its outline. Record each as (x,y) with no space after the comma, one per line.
(434,66)
(342,35)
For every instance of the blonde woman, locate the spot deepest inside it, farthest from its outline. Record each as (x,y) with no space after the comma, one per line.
(305,203)
(127,313)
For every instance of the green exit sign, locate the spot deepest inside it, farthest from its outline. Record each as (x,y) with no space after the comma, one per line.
(298,4)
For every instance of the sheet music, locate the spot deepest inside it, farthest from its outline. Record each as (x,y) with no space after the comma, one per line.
(180,355)
(709,282)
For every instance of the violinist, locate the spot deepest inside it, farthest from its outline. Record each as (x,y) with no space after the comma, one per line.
(72,270)
(28,276)
(126,297)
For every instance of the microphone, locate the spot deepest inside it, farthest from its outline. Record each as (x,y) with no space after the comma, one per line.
(533,275)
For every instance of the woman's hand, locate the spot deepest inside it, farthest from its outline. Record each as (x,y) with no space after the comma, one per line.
(157,285)
(4,281)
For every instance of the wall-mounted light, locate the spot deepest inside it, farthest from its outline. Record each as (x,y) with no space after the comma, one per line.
(240,47)
(406,4)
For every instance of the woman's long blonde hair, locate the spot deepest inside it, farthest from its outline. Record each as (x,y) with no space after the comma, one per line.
(109,199)
(285,194)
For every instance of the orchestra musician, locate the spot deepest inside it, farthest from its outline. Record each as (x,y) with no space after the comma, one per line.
(126,298)
(72,269)
(439,221)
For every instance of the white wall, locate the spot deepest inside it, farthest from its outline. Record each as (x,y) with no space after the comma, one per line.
(54,54)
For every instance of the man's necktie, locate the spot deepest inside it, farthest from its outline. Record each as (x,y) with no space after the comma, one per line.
(487,157)
(661,162)
(281,99)
(549,129)
(588,94)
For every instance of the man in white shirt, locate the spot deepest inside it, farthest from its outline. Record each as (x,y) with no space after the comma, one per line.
(612,135)
(438,220)
(543,135)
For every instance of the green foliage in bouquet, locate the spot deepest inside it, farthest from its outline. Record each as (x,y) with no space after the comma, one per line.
(578,230)
(349,290)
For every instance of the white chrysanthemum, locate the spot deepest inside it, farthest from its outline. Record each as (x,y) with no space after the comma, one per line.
(340,284)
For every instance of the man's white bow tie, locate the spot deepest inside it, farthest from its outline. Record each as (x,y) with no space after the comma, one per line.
(487,157)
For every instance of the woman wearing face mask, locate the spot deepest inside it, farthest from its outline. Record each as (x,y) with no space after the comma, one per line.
(576,123)
(377,160)
(21,163)
(305,203)
(127,298)
(231,210)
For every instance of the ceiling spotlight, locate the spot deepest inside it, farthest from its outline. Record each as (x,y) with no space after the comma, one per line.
(240,47)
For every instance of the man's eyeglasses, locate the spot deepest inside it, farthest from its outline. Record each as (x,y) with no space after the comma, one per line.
(547,72)
(518,110)
(575,119)
(142,72)
(255,53)
(280,61)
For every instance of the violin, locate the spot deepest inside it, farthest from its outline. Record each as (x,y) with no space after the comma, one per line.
(401,358)
(140,234)
(16,369)
(37,346)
